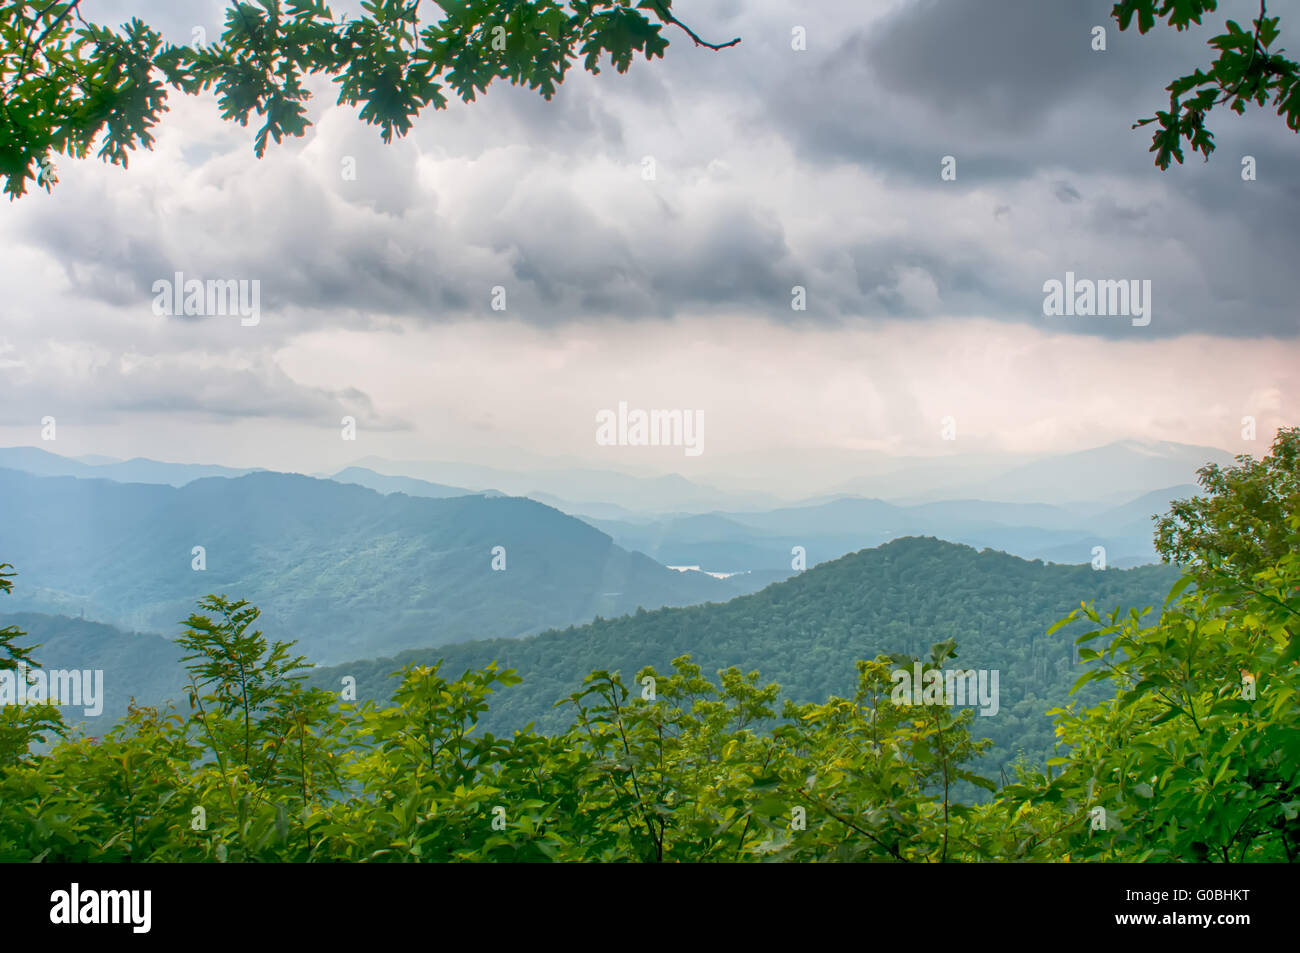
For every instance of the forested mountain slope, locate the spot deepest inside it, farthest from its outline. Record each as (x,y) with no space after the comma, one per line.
(807,632)
(141,667)
(346,571)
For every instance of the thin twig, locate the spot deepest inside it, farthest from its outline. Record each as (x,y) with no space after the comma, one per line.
(669,18)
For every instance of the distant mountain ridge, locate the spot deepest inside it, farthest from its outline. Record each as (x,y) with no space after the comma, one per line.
(1120,469)
(771,541)
(382,483)
(342,568)
(1091,479)
(659,493)
(727,541)
(137,470)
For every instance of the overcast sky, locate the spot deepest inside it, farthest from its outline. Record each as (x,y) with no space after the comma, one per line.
(773,168)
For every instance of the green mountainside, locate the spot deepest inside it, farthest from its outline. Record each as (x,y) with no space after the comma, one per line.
(344,570)
(807,632)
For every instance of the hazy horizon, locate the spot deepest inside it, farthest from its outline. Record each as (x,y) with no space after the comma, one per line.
(903,481)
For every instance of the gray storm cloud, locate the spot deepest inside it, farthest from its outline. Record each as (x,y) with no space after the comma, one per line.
(773,168)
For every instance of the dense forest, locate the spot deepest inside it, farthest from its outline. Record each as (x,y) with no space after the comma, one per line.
(808,632)
(1189,754)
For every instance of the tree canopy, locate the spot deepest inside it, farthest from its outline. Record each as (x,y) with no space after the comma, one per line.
(66,82)
(69,86)
(1250,68)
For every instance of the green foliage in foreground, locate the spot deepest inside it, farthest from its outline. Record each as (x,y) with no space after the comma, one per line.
(1181,764)
(1195,757)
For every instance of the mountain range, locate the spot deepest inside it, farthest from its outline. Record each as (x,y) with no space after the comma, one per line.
(805,633)
(1085,481)
(365,563)
(739,541)
(345,570)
